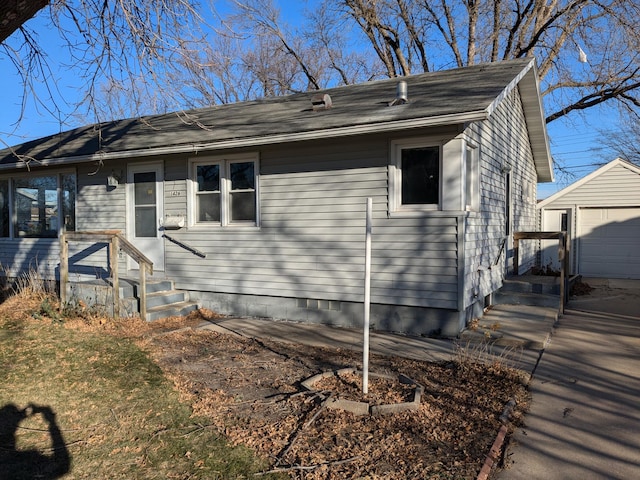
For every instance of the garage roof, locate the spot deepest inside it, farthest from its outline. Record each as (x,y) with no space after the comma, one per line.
(606,196)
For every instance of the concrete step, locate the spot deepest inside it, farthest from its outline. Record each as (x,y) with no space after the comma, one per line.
(154,286)
(170,310)
(166,297)
(534,299)
(531,286)
(129,287)
(522,326)
(163,300)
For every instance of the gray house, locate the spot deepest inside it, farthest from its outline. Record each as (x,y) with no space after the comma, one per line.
(258,208)
(601,212)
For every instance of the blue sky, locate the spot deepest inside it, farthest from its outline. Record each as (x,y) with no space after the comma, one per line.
(575,141)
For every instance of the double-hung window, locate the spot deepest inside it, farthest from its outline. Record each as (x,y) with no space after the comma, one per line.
(415,180)
(224,191)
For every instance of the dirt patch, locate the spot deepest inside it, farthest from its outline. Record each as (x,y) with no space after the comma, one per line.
(251,391)
(581,288)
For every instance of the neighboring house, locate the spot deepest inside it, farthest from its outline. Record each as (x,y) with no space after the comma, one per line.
(601,213)
(264,201)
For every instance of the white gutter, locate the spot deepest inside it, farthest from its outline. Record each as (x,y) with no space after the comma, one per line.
(268,140)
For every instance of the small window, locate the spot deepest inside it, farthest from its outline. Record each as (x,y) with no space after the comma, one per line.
(415,176)
(420,170)
(472,179)
(224,191)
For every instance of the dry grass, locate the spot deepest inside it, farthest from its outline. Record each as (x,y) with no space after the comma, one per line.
(94,405)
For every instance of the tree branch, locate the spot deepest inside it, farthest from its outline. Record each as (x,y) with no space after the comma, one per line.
(595,98)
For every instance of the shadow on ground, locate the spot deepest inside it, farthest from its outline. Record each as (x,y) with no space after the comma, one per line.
(47,462)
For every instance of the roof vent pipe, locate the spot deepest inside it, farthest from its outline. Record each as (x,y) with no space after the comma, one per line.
(321,101)
(402,95)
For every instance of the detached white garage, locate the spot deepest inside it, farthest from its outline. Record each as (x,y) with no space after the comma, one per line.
(601,212)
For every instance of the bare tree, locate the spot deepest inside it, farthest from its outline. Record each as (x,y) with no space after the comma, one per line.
(626,142)
(130,46)
(588,51)
(255,53)
(151,56)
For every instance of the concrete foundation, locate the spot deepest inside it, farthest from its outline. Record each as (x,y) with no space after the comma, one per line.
(390,318)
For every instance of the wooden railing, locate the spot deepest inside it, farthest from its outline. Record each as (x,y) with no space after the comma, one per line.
(563,256)
(116,243)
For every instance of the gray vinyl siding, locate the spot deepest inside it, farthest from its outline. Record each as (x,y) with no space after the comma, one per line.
(20,256)
(502,140)
(617,187)
(98,207)
(310,243)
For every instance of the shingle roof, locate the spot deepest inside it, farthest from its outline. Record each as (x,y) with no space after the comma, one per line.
(437,98)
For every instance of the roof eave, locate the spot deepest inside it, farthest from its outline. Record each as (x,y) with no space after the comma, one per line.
(537,127)
(406,124)
(527,82)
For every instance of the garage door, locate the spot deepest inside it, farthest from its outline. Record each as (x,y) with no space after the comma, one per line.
(610,242)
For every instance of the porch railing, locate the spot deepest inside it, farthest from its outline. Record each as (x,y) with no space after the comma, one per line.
(117,242)
(563,256)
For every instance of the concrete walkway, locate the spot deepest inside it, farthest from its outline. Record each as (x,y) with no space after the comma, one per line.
(517,333)
(584,421)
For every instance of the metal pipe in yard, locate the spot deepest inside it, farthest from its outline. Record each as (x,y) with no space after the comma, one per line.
(367,297)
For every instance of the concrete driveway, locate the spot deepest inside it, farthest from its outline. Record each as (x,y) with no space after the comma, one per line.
(584,421)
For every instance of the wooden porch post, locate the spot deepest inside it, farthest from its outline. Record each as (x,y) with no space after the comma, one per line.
(143,290)
(562,257)
(516,254)
(64,268)
(114,247)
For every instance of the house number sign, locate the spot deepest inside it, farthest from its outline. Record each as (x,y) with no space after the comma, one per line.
(176,193)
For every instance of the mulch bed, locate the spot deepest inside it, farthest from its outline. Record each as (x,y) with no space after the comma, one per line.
(250,390)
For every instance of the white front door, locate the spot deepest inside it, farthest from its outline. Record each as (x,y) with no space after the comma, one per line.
(145,211)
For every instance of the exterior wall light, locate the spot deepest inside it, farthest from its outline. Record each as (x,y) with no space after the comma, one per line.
(113,180)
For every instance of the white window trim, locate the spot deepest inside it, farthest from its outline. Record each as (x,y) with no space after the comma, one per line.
(225,187)
(395,176)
